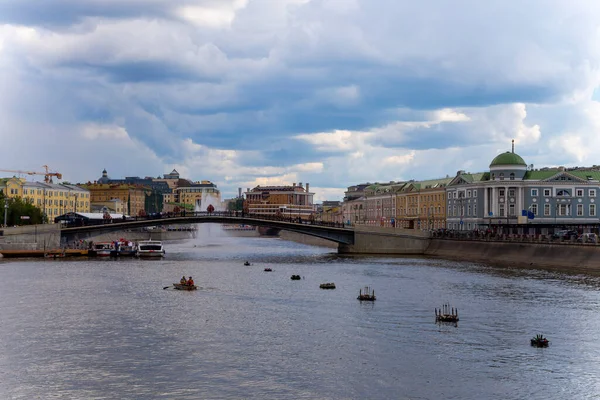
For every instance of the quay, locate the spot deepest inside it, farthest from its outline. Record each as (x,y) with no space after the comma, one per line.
(44,253)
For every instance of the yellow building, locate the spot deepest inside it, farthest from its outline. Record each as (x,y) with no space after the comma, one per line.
(191,193)
(287,201)
(52,199)
(422,204)
(132,196)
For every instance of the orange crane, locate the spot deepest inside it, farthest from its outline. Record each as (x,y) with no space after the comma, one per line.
(47,175)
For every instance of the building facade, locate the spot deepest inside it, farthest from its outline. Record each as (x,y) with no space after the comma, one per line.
(421,204)
(52,198)
(295,201)
(132,196)
(512,195)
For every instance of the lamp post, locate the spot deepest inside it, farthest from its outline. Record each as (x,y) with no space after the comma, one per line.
(5,212)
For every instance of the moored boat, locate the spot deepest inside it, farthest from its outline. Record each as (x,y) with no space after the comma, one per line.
(102,249)
(150,248)
(181,286)
(268,270)
(328,285)
(295,277)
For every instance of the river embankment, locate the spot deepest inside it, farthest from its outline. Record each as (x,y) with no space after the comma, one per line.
(567,257)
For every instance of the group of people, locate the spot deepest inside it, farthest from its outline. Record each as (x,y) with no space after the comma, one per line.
(189,282)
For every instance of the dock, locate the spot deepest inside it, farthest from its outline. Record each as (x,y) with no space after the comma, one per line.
(54,253)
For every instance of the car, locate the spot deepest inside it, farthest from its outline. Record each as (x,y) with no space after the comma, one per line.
(588,238)
(565,235)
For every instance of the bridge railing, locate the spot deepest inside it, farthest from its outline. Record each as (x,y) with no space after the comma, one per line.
(80,222)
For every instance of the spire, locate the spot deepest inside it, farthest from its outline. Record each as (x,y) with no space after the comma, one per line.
(513,145)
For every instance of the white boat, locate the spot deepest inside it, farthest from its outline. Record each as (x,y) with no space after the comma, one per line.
(150,248)
(103,249)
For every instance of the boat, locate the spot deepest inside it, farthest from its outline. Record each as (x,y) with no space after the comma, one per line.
(150,248)
(181,286)
(366,294)
(268,270)
(246,263)
(125,248)
(446,314)
(328,285)
(295,277)
(55,255)
(102,249)
(539,341)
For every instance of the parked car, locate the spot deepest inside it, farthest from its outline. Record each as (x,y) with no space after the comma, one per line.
(564,235)
(588,238)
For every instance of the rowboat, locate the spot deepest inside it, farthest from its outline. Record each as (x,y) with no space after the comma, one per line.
(179,286)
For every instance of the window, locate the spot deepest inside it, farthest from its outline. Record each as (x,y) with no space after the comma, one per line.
(474,210)
(469,210)
(564,209)
(563,193)
(592,193)
(511,193)
(579,192)
(501,192)
(547,193)
(493,177)
(580,210)
(454,211)
(501,175)
(474,193)
(592,210)
(468,193)
(511,210)
(546,210)
(534,192)
(534,209)
(512,176)
(501,210)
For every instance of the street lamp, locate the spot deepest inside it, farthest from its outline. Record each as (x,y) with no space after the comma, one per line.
(5,212)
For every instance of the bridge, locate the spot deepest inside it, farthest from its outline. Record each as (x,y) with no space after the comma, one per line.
(330,231)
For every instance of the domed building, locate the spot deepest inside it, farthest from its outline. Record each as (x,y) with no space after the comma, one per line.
(104,178)
(514,198)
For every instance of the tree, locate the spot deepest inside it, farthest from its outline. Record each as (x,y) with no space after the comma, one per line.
(17,208)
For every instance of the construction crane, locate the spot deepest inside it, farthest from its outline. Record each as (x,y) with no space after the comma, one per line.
(47,175)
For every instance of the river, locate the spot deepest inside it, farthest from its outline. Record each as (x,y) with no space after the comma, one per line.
(106,329)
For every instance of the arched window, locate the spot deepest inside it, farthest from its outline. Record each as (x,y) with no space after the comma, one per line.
(563,193)
(501,176)
(512,176)
(493,177)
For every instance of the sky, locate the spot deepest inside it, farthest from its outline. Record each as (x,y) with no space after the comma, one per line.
(272,92)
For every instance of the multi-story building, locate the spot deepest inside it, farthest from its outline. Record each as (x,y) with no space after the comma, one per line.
(53,199)
(295,201)
(513,196)
(421,204)
(380,203)
(132,196)
(353,206)
(191,193)
(156,189)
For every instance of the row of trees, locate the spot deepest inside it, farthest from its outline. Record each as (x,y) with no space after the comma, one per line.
(18,208)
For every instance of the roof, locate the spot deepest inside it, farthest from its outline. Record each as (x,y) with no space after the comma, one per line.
(98,215)
(540,175)
(508,158)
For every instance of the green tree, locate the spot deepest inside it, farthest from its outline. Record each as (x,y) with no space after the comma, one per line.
(17,208)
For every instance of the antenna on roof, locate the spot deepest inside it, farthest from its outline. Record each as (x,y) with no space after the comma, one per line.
(513,145)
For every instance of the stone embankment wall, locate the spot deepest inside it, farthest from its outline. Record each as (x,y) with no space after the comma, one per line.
(575,257)
(306,239)
(35,237)
(382,240)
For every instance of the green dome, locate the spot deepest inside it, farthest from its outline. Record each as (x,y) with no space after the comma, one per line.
(508,158)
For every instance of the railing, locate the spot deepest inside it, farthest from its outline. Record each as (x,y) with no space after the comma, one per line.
(483,236)
(183,214)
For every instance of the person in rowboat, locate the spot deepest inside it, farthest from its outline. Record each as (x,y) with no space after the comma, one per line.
(190,282)
(183,281)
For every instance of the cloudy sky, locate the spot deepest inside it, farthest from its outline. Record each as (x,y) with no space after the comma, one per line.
(331,92)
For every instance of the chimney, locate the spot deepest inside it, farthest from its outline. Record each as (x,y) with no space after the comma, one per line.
(300,184)
(513,145)
(247,189)
(307,187)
